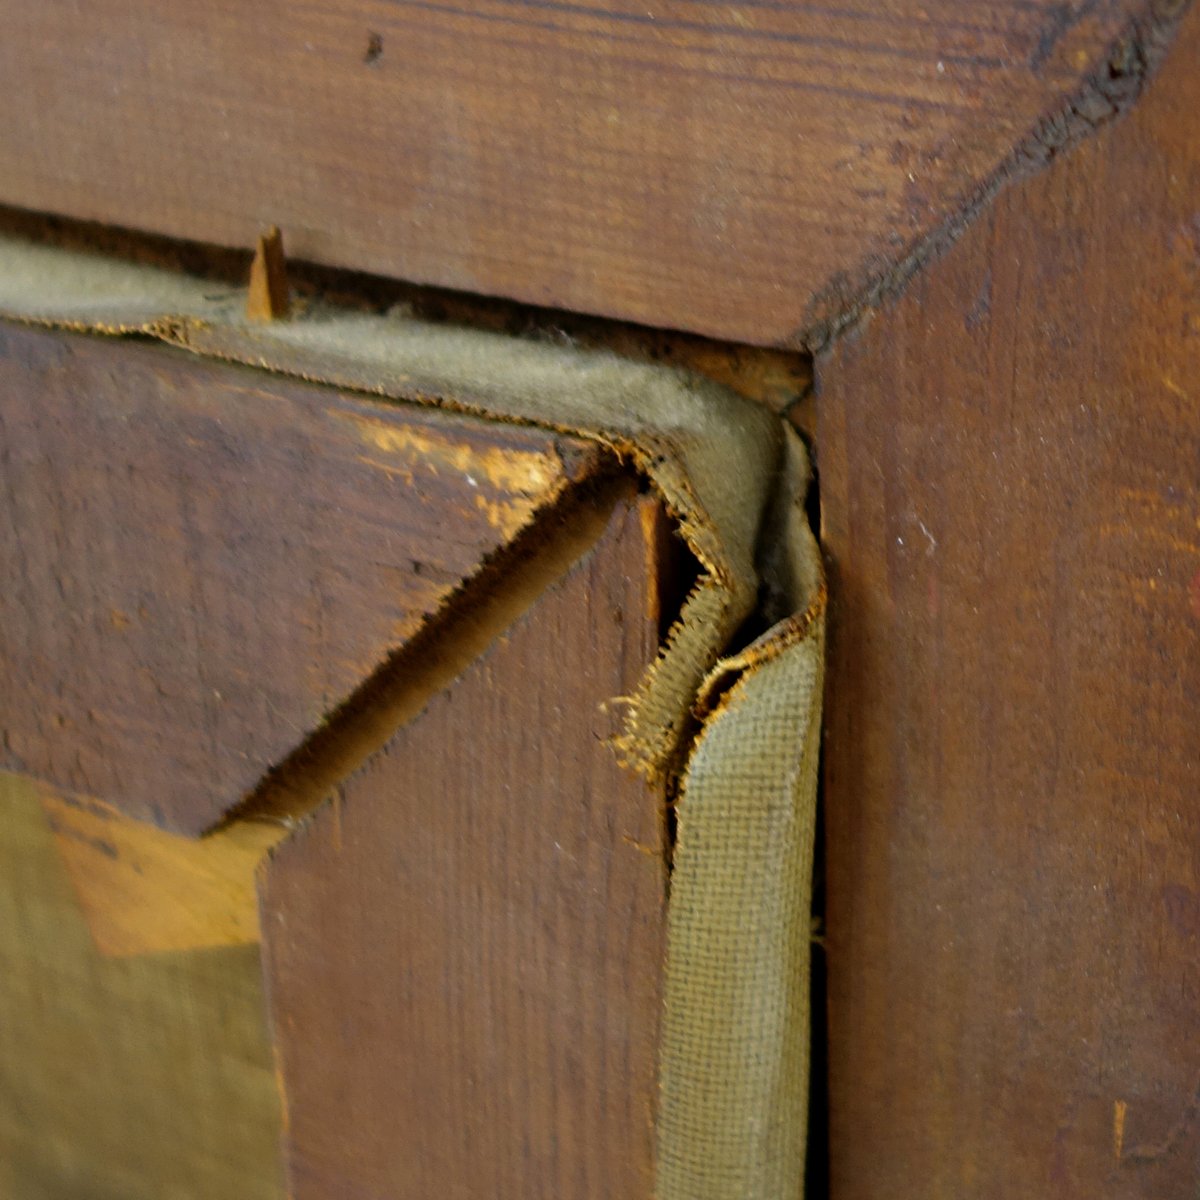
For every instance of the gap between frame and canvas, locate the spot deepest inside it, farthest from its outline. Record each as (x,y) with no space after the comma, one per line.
(733,735)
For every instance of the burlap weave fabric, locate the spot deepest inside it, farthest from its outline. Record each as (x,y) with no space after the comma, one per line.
(745,727)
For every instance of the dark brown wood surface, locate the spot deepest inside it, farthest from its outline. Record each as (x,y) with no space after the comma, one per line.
(753,171)
(200,563)
(464,949)
(1010,468)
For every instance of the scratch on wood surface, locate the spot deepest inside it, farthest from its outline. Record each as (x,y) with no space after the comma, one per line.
(654,852)
(396,472)
(505,468)
(1194,595)
(1153,1151)
(1119,1107)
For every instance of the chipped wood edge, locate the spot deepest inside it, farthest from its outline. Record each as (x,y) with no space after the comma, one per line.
(1106,94)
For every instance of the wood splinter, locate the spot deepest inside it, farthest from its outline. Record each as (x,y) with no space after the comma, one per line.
(267,298)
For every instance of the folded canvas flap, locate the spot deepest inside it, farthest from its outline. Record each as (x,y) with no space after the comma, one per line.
(736,1027)
(734,1066)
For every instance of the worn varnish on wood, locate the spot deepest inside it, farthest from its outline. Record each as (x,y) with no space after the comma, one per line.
(1010,461)
(201,562)
(751,171)
(145,891)
(464,949)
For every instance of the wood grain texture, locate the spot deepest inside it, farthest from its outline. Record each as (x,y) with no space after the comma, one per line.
(1010,461)
(752,171)
(202,562)
(464,949)
(122,1078)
